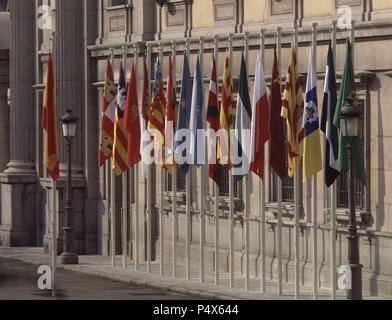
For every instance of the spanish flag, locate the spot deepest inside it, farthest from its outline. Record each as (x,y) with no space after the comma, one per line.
(49,124)
(226,118)
(156,121)
(292,111)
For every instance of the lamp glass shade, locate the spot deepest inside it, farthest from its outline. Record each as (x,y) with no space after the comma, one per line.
(69,130)
(349,127)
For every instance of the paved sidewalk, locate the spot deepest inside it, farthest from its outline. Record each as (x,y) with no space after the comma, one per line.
(100,266)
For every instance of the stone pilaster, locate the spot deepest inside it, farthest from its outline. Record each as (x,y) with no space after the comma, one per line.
(69,54)
(144,20)
(18,182)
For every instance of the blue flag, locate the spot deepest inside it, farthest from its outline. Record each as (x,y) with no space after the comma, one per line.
(181,149)
(197,118)
(312,159)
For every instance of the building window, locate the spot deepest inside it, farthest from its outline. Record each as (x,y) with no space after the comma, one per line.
(224,185)
(116,3)
(4,5)
(287,183)
(342,189)
(342,181)
(181,182)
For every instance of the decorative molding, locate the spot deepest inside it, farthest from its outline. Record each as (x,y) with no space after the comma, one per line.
(347,3)
(281,7)
(358,8)
(177,14)
(177,19)
(117,23)
(224,11)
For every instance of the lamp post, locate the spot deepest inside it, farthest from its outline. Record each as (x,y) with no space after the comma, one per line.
(349,124)
(69,131)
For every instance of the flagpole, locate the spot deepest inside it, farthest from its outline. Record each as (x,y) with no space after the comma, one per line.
(296,200)
(174,178)
(262,192)
(161,200)
(54,238)
(216,185)
(247,189)
(124,188)
(112,201)
(353,51)
(202,181)
(136,186)
(333,200)
(280,186)
(231,190)
(149,177)
(188,201)
(314,184)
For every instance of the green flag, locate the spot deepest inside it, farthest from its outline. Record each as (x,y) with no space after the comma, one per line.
(347,89)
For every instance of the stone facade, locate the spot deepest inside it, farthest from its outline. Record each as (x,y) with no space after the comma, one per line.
(84,32)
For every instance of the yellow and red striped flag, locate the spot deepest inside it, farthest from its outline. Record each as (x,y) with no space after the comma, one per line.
(49,123)
(156,121)
(120,146)
(293,111)
(226,119)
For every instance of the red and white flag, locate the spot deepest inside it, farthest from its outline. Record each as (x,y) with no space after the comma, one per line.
(260,133)
(108,116)
(213,119)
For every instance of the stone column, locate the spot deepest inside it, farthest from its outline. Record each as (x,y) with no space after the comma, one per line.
(18,182)
(4,113)
(22,144)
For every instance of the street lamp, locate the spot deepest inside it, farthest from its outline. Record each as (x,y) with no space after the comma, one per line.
(69,131)
(349,124)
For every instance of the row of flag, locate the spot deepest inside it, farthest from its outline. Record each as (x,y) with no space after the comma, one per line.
(123,122)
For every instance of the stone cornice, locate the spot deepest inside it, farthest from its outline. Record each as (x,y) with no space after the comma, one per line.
(388,74)
(364,31)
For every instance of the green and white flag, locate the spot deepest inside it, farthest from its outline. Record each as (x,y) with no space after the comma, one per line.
(347,89)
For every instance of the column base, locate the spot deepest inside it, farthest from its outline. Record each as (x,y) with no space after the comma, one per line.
(18,221)
(20,168)
(68,258)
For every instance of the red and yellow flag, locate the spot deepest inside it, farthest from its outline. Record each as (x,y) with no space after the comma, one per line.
(132,121)
(293,111)
(49,124)
(169,120)
(120,152)
(227,117)
(108,116)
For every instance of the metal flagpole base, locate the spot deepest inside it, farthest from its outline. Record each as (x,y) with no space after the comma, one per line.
(356,275)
